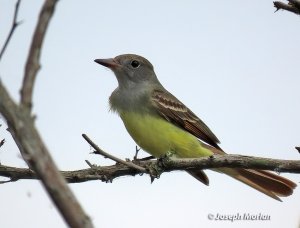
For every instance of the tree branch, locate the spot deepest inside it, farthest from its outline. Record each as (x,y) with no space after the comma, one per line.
(36,155)
(12,29)
(107,155)
(292,6)
(32,64)
(21,126)
(2,142)
(109,173)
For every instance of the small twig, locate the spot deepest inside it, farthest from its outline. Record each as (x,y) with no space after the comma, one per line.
(107,155)
(92,166)
(8,181)
(2,142)
(145,158)
(89,164)
(12,29)
(293,6)
(136,152)
(32,65)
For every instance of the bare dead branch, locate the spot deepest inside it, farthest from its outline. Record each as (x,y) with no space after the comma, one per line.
(33,64)
(292,6)
(89,164)
(109,173)
(237,161)
(107,155)
(21,126)
(2,142)
(15,23)
(36,155)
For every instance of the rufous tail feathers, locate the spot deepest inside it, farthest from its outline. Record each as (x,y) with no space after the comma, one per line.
(266,182)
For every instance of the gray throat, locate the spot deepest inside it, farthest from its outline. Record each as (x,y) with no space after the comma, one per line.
(131,100)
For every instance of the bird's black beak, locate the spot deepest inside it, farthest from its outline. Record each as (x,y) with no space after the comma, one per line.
(110,63)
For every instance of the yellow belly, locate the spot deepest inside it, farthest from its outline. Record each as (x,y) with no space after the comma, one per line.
(157,136)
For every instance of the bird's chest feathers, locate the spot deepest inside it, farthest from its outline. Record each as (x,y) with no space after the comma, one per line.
(158,136)
(149,132)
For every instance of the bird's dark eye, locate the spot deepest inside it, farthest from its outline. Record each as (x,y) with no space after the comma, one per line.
(135,63)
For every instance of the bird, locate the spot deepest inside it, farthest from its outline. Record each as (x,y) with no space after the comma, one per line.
(159,123)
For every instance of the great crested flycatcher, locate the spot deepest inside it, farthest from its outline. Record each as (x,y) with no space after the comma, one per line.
(158,122)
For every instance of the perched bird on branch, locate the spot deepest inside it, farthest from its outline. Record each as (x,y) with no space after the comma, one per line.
(160,123)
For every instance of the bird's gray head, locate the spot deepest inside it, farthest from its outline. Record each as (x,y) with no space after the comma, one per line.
(131,70)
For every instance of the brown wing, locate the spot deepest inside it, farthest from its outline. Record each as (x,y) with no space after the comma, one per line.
(170,108)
